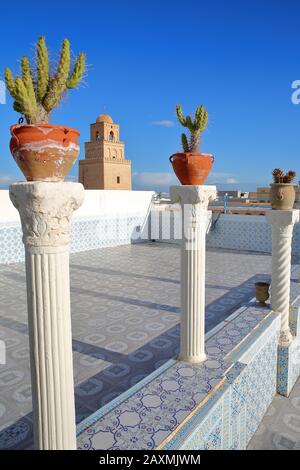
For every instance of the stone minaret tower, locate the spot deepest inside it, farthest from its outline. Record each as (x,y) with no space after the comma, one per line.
(105,166)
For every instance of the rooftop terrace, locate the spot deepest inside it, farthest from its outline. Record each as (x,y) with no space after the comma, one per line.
(125,321)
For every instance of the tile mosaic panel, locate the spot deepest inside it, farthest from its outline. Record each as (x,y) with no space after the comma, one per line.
(254,390)
(86,234)
(11,246)
(251,233)
(288,368)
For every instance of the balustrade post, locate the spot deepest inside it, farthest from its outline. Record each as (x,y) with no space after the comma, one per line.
(282,222)
(194,202)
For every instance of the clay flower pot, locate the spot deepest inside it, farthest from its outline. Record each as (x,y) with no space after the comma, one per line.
(262,293)
(191,168)
(44,152)
(282,196)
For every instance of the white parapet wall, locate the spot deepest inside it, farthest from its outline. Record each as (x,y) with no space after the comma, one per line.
(245,232)
(106,218)
(227,231)
(111,218)
(96,202)
(107,202)
(8,213)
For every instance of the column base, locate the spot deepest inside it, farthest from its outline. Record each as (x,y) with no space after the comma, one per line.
(285,338)
(192,359)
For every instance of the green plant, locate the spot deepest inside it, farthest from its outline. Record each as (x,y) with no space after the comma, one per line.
(195,126)
(36,92)
(280,177)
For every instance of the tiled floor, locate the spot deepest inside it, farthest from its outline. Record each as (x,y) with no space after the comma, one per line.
(125,315)
(280,428)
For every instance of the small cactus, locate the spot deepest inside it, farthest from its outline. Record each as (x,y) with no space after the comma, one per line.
(289,176)
(36,93)
(280,177)
(195,126)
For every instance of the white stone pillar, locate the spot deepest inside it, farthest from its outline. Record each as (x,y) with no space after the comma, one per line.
(194,201)
(45,211)
(282,231)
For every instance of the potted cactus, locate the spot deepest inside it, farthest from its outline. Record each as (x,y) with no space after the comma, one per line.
(43,151)
(191,166)
(282,192)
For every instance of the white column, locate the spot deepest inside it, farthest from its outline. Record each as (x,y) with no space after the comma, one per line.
(45,211)
(194,201)
(282,231)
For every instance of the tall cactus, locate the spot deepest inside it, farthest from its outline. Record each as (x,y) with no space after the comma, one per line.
(78,72)
(58,82)
(42,59)
(36,93)
(195,126)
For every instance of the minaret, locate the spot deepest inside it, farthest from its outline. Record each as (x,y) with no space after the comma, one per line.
(104,166)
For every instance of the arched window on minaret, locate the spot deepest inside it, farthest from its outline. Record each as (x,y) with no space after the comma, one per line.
(97,135)
(111,136)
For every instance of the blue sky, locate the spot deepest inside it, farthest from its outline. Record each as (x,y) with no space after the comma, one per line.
(238,58)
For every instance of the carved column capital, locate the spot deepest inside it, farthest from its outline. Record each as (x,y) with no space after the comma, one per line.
(193,194)
(194,201)
(283,221)
(45,210)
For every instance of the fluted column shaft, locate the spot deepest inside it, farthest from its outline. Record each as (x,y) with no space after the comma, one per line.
(194,202)
(45,211)
(282,231)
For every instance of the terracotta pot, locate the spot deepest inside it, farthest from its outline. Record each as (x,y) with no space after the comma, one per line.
(191,168)
(282,196)
(44,152)
(262,293)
